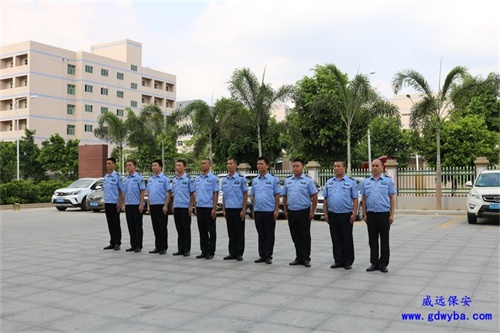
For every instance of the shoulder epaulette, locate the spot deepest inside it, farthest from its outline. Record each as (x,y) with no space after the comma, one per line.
(351,178)
(387,176)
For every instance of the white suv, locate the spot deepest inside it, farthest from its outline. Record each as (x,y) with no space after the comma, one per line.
(484,196)
(75,195)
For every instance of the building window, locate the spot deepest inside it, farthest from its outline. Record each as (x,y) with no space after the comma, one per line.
(143,100)
(104,110)
(156,86)
(119,94)
(25,83)
(70,129)
(87,128)
(89,88)
(167,104)
(133,67)
(119,76)
(133,85)
(104,91)
(133,104)
(71,69)
(166,89)
(71,89)
(70,109)
(119,112)
(104,72)
(89,69)
(88,108)
(143,83)
(11,85)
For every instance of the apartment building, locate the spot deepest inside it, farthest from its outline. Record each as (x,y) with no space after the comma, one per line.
(53,90)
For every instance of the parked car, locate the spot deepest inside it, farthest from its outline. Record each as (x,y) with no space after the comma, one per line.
(484,196)
(319,213)
(75,195)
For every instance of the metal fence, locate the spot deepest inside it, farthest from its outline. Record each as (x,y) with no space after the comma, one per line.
(326,174)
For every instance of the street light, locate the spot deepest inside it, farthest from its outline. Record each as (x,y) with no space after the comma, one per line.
(16,106)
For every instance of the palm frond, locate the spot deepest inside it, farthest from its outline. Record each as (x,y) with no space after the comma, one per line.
(411,78)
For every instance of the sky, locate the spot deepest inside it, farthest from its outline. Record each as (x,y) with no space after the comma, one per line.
(203,42)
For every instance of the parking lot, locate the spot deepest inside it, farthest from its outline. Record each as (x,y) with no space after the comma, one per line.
(56,277)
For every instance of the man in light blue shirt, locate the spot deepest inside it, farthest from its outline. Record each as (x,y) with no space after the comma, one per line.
(340,206)
(158,187)
(300,197)
(206,187)
(234,205)
(133,191)
(265,195)
(112,186)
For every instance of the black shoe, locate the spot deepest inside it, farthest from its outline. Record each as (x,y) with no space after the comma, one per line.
(178,253)
(295,263)
(200,256)
(372,268)
(187,254)
(210,256)
(109,247)
(137,250)
(269,261)
(259,260)
(229,257)
(117,247)
(384,269)
(348,267)
(239,258)
(163,252)
(155,251)
(132,249)
(336,265)
(307,263)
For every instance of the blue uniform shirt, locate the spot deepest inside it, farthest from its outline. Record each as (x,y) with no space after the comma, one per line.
(112,185)
(205,186)
(132,187)
(377,193)
(181,190)
(233,189)
(264,188)
(158,187)
(298,191)
(340,193)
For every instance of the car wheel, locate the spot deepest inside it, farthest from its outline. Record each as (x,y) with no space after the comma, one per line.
(359,216)
(96,210)
(84,204)
(471,218)
(317,217)
(61,208)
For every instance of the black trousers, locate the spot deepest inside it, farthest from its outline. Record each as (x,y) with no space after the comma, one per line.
(113,219)
(300,229)
(207,229)
(160,222)
(265,225)
(235,231)
(342,240)
(134,223)
(183,226)
(378,225)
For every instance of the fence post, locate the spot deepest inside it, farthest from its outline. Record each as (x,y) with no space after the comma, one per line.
(313,168)
(244,168)
(481,164)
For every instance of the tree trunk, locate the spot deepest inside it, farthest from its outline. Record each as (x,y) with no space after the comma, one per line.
(349,150)
(438,167)
(259,140)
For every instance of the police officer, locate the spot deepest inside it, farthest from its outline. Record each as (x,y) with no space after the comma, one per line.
(298,193)
(112,186)
(206,187)
(234,203)
(182,192)
(133,190)
(378,206)
(265,195)
(158,187)
(340,207)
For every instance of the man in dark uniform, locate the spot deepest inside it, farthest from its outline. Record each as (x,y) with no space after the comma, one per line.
(379,203)
(265,194)
(182,191)
(298,193)
(112,186)
(158,187)
(340,207)
(206,187)
(234,203)
(133,190)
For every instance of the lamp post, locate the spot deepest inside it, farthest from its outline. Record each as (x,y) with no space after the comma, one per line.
(416,155)
(16,106)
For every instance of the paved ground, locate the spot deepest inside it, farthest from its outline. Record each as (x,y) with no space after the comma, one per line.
(56,277)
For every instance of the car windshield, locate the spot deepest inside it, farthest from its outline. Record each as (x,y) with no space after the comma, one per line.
(488,180)
(81,183)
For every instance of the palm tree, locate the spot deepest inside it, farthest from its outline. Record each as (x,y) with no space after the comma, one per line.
(204,122)
(432,107)
(257,97)
(113,129)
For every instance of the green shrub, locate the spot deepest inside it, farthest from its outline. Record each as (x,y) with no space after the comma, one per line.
(47,187)
(25,191)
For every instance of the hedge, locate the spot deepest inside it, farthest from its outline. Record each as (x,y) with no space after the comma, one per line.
(25,191)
